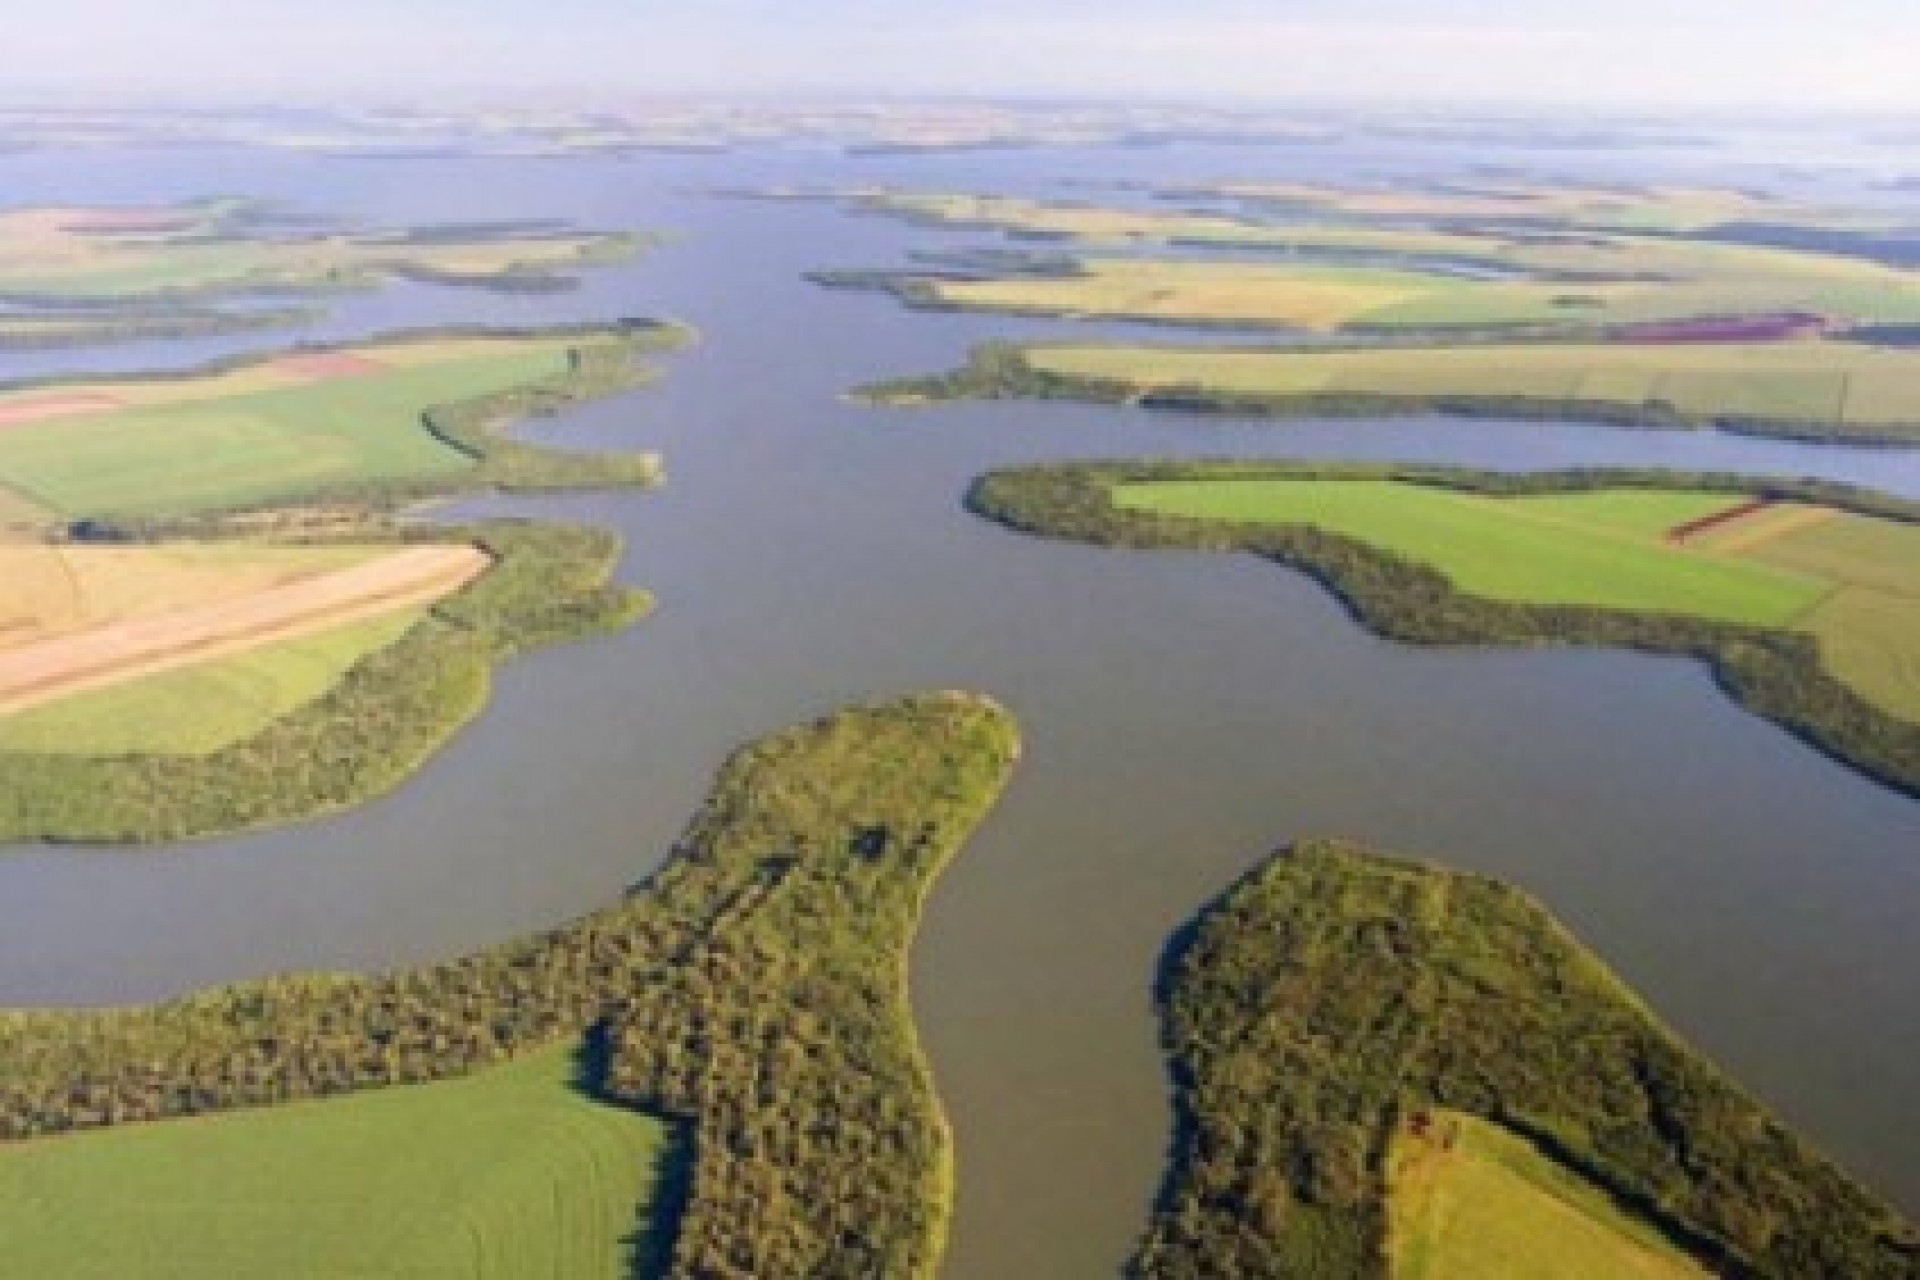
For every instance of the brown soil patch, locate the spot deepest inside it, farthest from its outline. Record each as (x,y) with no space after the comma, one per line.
(40,408)
(42,672)
(323,365)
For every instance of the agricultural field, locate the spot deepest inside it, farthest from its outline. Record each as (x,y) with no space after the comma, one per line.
(77,254)
(209,618)
(258,433)
(1656,207)
(1468,1198)
(1816,388)
(186,649)
(1851,581)
(1375,274)
(513,1171)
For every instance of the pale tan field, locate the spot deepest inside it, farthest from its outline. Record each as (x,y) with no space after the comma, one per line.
(115,619)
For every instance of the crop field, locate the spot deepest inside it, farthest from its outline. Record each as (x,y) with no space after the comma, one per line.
(1852,581)
(187,649)
(510,1172)
(268,431)
(80,254)
(1325,297)
(1662,208)
(200,709)
(1559,549)
(1467,1198)
(1819,384)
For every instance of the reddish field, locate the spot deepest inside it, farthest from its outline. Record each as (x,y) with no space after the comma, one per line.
(1783,327)
(322,365)
(24,411)
(1715,519)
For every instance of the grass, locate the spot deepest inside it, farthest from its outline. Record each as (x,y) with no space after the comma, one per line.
(231,447)
(1481,1201)
(1599,549)
(507,1173)
(204,708)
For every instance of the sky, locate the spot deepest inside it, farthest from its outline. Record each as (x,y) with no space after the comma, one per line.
(1615,54)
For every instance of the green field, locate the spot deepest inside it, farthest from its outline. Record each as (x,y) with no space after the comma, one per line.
(1599,549)
(512,1172)
(1819,385)
(1483,1202)
(240,444)
(204,708)
(1851,581)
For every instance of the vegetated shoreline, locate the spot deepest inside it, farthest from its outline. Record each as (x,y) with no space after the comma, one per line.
(397,707)
(391,713)
(1001,371)
(752,989)
(1771,672)
(32,331)
(1334,991)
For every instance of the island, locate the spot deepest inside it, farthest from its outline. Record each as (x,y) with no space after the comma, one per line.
(1802,595)
(1384,1068)
(213,615)
(81,275)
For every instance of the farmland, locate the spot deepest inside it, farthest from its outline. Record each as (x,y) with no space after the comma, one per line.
(266,432)
(1467,1197)
(1384,298)
(211,248)
(1800,595)
(1335,995)
(509,1172)
(1826,391)
(76,275)
(203,585)
(752,990)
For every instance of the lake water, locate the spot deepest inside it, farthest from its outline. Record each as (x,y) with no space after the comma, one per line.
(1184,713)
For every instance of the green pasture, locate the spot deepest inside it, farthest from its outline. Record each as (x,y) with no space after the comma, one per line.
(512,1172)
(1818,383)
(1495,1205)
(200,709)
(231,449)
(1601,550)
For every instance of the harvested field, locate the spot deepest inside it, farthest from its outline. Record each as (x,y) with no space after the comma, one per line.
(320,365)
(41,408)
(42,671)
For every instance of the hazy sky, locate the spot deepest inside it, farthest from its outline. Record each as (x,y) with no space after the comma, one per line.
(1812,53)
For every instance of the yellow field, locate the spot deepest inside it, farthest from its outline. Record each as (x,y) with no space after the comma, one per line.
(1467,1200)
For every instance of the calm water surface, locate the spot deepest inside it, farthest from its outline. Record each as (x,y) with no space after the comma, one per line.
(1184,713)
